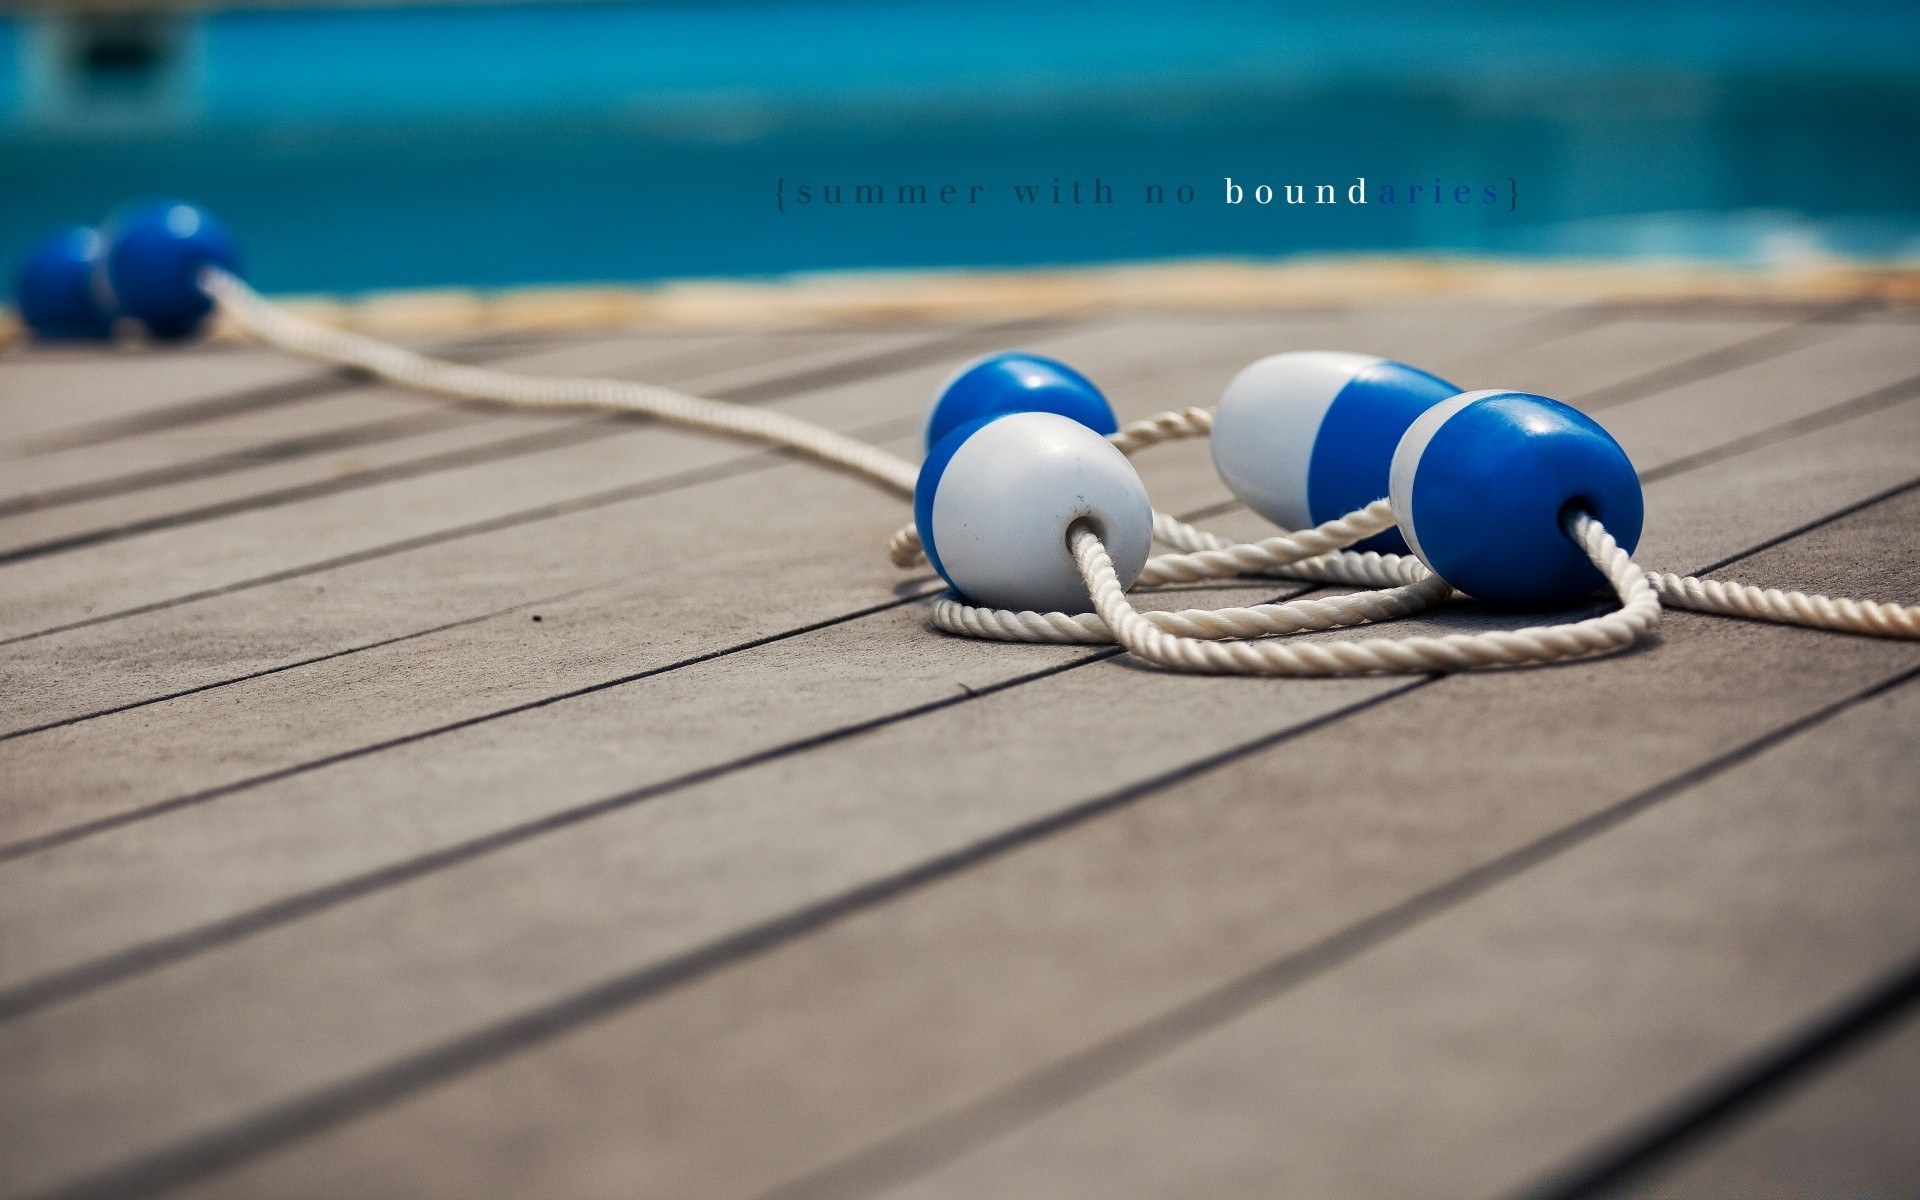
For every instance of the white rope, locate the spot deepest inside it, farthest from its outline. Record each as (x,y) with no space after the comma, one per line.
(1356,570)
(1423,590)
(1163,427)
(1182,536)
(1407,586)
(1268,555)
(297,335)
(1637,616)
(904,548)
(1787,608)
(1404,585)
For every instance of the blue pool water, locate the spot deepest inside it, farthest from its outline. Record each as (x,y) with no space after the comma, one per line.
(360,148)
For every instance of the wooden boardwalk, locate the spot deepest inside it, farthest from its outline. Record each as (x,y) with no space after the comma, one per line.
(403,799)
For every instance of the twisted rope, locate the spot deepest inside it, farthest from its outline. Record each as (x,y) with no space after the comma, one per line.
(904,548)
(1787,608)
(1163,427)
(1269,554)
(1212,624)
(1406,586)
(1637,616)
(309,339)
(1314,554)
(1182,536)
(1357,570)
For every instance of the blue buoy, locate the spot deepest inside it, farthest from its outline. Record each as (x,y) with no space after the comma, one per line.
(1307,437)
(154,255)
(995,499)
(1481,484)
(1011,382)
(55,287)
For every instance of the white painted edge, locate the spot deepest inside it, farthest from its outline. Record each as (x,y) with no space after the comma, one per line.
(1406,460)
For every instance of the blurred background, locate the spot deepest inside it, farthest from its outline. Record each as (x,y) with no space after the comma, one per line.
(364,146)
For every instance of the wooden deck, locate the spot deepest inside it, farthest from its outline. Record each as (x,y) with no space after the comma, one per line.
(403,799)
